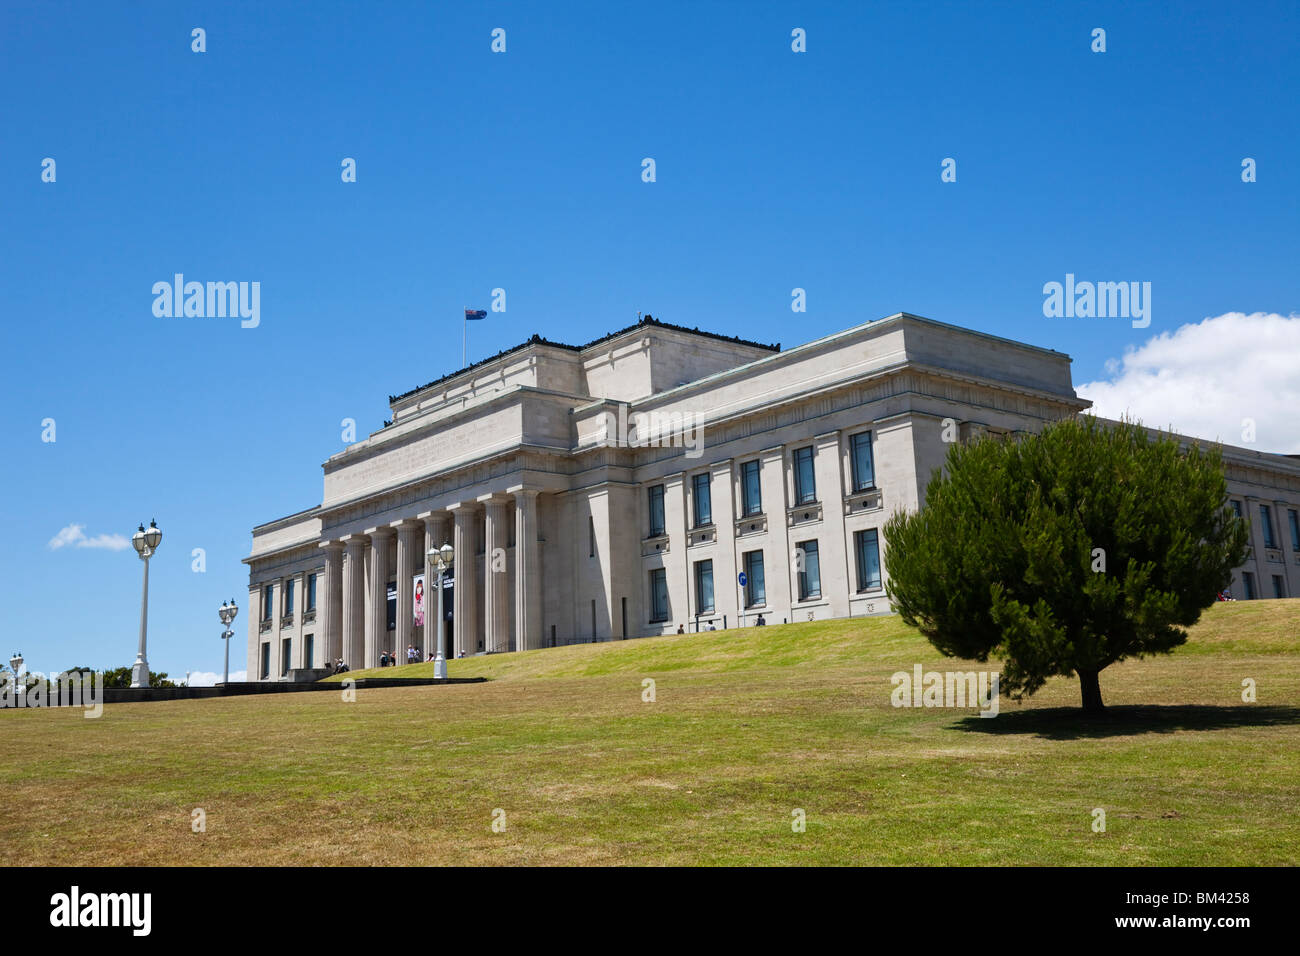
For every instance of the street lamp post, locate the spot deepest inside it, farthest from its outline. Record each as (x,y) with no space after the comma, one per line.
(16,662)
(227,614)
(443,558)
(145,543)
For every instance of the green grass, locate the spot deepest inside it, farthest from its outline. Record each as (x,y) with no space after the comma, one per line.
(747,726)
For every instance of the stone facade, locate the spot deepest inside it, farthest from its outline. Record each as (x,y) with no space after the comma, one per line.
(572,481)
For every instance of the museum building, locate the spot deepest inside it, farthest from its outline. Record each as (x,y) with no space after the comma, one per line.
(662,479)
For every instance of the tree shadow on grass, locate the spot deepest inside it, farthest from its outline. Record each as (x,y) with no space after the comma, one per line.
(1070,723)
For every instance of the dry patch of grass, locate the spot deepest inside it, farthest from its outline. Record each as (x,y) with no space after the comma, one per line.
(746,727)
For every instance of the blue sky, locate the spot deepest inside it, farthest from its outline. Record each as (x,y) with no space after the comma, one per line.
(522,170)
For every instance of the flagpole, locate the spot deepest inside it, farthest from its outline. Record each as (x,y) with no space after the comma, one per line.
(464,339)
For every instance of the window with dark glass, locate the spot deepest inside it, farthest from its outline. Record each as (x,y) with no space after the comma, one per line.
(704,586)
(656,511)
(805,482)
(288,597)
(867,546)
(268,602)
(1295,529)
(1266,519)
(311,592)
(266,660)
(810,577)
(658,596)
(285,655)
(755,587)
(750,490)
(1236,506)
(1279,586)
(702,495)
(864,474)
(1248,582)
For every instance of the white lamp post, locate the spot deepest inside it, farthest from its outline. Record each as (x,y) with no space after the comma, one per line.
(145,543)
(227,614)
(443,558)
(16,662)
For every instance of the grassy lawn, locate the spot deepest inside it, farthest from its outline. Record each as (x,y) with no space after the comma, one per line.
(747,726)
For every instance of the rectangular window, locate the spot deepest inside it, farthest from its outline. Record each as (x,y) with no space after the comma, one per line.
(755,587)
(867,546)
(703,499)
(286,646)
(311,592)
(750,490)
(288,597)
(308,650)
(1266,519)
(1294,518)
(658,596)
(704,587)
(810,578)
(591,536)
(656,511)
(864,472)
(805,482)
(1236,506)
(266,661)
(268,602)
(1279,586)
(1248,583)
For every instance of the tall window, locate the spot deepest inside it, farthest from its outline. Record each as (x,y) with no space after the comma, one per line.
(268,602)
(591,536)
(656,511)
(703,499)
(1236,506)
(810,578)
(864,473)
(1266,519)
(266,660)
(751,492)
(1279,586)
(755,587)
(311,592)
(285,649)
(658,596)
(704,586)
(288,597)
(308,650)
(867,546)
(1295,529)
(805,482)
(1248,582)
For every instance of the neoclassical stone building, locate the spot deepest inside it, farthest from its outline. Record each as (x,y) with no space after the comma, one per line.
(627,487)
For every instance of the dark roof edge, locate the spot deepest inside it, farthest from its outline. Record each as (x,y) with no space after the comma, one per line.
(648,321)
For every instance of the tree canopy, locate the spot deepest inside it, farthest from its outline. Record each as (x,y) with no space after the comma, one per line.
(1066,551)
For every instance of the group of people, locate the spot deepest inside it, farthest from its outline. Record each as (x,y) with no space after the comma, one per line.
(391,660)
(709,626)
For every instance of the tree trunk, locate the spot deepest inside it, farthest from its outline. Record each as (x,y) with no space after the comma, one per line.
(1091,688)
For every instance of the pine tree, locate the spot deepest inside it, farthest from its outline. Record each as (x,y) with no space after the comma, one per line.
(1066,551)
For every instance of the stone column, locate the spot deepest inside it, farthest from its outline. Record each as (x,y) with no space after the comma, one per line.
(528,572)
(253,613)
(435,536)
(408,540)
(464,613)
(354,598)
(377,640)
(496,595)
(331,608)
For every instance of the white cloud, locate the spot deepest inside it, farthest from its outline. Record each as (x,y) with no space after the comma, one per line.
(212,678)
(75,535)
(1207,379)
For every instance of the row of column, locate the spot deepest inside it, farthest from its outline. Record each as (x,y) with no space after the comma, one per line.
(360,639)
